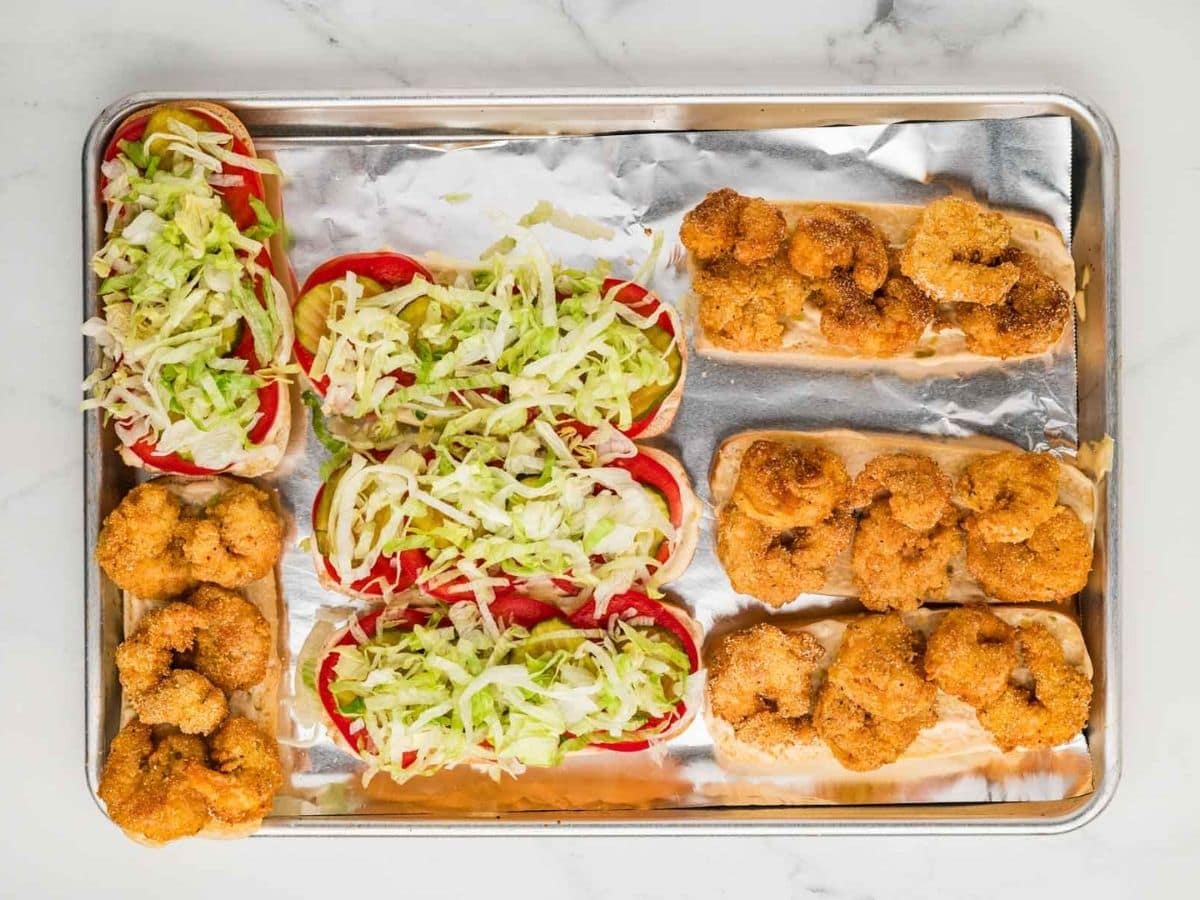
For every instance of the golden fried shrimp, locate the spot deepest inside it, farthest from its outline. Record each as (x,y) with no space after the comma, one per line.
(234,646)
(140,547)
(777,566)
(859,740)
(1010,493)
(971,654)
(240,784)
(897,567)
(747,307)
(143,787)
(1053,564)
(877,667)
(916,489)
(725,222)
(763,669)
(832,239)
(885,323)
(162,695)
(238,540)
(775,732)
(956,253)
(1029,319)
(785,486)
(1051,710)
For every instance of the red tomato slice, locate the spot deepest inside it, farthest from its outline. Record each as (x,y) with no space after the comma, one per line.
(237,199)
(644,303)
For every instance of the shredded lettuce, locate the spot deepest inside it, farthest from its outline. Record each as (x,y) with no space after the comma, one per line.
(488,507)
(516,332)
(454,690)
(177,289)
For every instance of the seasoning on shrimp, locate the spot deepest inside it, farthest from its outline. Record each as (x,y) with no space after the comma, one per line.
(749,229)
(971,654)
(239,784)
(1010,493)
(786,486)
(878,666)
(1030,318)
(956,253)
(886,322)
(833,240)
(1052,564)
(745,307)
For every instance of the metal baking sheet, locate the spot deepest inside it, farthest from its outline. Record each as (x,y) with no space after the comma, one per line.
(339,153)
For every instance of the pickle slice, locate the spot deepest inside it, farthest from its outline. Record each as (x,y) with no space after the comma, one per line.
(159,122)
(547,637)
(311,315)
(645,400)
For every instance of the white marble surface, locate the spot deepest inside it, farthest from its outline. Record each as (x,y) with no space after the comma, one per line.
(60,62)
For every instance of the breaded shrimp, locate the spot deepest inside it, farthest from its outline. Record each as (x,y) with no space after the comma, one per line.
(877,666)
(785,486)
(1029,319)
(859,740)
(763,669)
(1011,494)
(160,694)
(234,645)
(245,773)
(886,323)
(832,239)
(1050,711)
(917,491)
(238,540)
(726,223)
(956,253)
(777,566)
(971,654)
(747,307)
(897,567)
(1053,564)
(140,547)
(774,732)
(143,787)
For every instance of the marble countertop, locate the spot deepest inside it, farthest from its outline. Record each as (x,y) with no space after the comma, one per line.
(62,61)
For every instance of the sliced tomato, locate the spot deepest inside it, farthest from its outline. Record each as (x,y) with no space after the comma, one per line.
(638,605)
(645,304)
(237,199)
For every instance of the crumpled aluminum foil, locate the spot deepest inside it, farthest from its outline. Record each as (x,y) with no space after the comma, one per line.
(458,198)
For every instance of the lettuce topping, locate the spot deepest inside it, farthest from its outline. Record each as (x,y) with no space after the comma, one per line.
(517,330)
(533,503)
(454,690)
(178,290)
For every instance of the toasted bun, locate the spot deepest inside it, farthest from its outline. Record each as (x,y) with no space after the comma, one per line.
(856,448)
(956,745)
(677,727)
(276,440)
(808,347)
(260,703)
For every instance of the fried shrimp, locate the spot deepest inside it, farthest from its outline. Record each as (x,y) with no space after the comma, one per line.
(237,541)
(763,669)
(785,486)
(1053,564)
(745,307)
(233,647)
(877,667)
(971,654)
(777,566)
(244,774)
(1051,710)
(140,545)
(143,786)
(726,223)
(916,489)
(859,740)
(884,323)
(1029,319)
(1010,493)
(897,567)
(160,694)
(831,240)
(774,732)
(956,253)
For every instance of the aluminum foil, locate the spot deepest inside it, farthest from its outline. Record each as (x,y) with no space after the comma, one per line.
(458,198)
